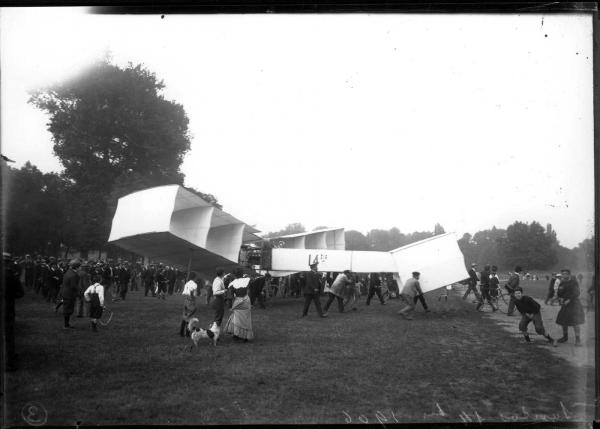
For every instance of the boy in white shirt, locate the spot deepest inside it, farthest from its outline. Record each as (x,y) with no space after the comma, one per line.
(95,296)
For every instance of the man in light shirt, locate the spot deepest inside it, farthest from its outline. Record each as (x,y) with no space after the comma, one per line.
(338,290)
(190,291)
(218,291)
(411,289)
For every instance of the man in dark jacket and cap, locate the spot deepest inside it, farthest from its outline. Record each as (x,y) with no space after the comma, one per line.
(311,290)
(472,283)
(70,291)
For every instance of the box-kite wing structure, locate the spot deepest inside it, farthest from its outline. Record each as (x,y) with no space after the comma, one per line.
(170,224)
(438,259)
(330,238)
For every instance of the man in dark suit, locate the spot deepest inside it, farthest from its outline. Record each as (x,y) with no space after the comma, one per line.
(123,275)
(53,281)
(148,279)
(28,267)
(375,288)
(256,290)
(69,291)
(485,286)
(472,283)
(85,281)
(311,290)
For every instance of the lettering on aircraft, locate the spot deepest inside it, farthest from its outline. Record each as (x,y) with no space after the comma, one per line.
(316,259)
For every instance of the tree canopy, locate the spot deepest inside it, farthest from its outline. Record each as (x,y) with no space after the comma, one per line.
(35,210)
(292,228)
(114,133)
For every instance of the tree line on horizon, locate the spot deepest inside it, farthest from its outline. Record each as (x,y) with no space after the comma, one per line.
(529,245)
(114,133)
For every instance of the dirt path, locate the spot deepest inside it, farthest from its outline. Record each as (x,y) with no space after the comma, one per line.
(577,356)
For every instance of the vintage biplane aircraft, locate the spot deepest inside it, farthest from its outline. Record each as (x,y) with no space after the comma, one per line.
(175,226)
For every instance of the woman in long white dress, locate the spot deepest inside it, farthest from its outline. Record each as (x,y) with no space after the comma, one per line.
(240,319)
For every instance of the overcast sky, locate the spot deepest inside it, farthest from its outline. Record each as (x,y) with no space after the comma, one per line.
(359,121)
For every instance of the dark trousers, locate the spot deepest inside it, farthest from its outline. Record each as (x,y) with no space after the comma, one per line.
(256,294)
(52,293)
(45,290)
(372,291)
(149,286)
(486,296)
(472,287)
(340,302)
(218,305)
(171,287)
(79,305)
(420,298)
(123,290)
(37,285)
(28,279)
(108,284)
(310,298)
(537,323)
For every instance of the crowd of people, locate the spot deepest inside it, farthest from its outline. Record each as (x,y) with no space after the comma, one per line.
(82,287)
(44,275)
(564,289)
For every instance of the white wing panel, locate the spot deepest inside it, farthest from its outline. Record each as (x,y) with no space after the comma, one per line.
(438,259)
(143,212)
(192,224)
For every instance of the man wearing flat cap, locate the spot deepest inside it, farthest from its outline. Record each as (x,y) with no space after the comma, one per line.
(411,289)
(311,290)
(70,291)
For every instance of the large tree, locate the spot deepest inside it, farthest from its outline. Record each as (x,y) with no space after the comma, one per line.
(584,255)
(356,240)
(35,207)
(530,246)
(113,132)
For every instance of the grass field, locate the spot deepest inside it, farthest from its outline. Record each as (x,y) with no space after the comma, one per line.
(450,365)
